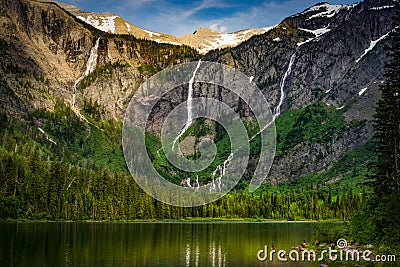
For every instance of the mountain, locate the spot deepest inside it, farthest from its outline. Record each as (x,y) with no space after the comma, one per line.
(115,24)
(320,70)
(204,39)
(323,67)
(50,50)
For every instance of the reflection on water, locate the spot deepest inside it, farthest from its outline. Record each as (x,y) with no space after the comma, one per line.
(146,244)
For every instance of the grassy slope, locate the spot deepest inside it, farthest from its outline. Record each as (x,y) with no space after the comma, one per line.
(99,143)
(316,123)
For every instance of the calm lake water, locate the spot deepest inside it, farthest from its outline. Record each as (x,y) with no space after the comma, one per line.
(146,244)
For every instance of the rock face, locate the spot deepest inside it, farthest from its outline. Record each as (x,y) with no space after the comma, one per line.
(335,54)
(203,40)
(46,50)
(339,60)
(112,23)
(328,65)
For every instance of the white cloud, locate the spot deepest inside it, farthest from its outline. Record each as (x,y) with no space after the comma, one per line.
(178,22)
(135,3)
(204,4)
(178,19)
(216,28)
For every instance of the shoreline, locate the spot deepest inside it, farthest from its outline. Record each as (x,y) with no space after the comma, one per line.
(186,220)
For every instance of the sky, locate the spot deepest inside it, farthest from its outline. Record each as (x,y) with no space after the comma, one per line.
(179,17)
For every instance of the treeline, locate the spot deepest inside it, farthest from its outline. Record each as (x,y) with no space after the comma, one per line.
(35,184)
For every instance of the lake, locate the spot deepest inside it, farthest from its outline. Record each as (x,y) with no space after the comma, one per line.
(146,243)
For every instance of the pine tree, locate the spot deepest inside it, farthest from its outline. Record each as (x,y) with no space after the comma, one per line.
(387,125)
(384,207)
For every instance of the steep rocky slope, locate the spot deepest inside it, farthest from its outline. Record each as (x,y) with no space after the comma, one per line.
(203,40)
(45,50)
(335,55)
(115,24)
(319,69)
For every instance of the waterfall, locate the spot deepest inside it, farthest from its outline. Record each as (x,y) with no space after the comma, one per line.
(189,107)
(92,62)
(197,185)
(212,185)
(225,163)
(219,183)
(277,110)
(216,184)
(47,136)
(188,182)
(222,171)
(90,67)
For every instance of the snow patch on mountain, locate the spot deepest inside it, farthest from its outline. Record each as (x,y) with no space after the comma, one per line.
(216,40)
(152,33)
(381,7)
(103,23)
(223,40)
(362,91)
(267,29)
(325,10)
(372,46)
(128,26)
(166,42)
(317,32)
(306,41)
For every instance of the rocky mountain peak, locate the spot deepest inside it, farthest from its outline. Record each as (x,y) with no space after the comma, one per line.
(204,31)
(328,54)
(322,67)
(203,39)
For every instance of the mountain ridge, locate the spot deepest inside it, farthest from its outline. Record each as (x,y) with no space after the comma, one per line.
(203,40)
(326,70)
(322,74)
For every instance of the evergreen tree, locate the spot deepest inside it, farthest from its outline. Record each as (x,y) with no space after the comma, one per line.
(379,220)
(387,125)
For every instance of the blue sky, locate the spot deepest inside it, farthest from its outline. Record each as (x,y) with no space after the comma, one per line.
(180,17)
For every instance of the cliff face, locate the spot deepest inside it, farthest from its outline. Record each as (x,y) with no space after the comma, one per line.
(328,56)
(203,39)
(51,49)
(338,60)
(329,63)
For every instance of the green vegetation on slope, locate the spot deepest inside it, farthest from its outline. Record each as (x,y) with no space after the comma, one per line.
(348,172)
(40,181)
(378,221)
(103,71)
(99,143)
(316,123)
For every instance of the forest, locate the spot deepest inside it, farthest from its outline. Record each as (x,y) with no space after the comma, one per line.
(81,174)
(40,182)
